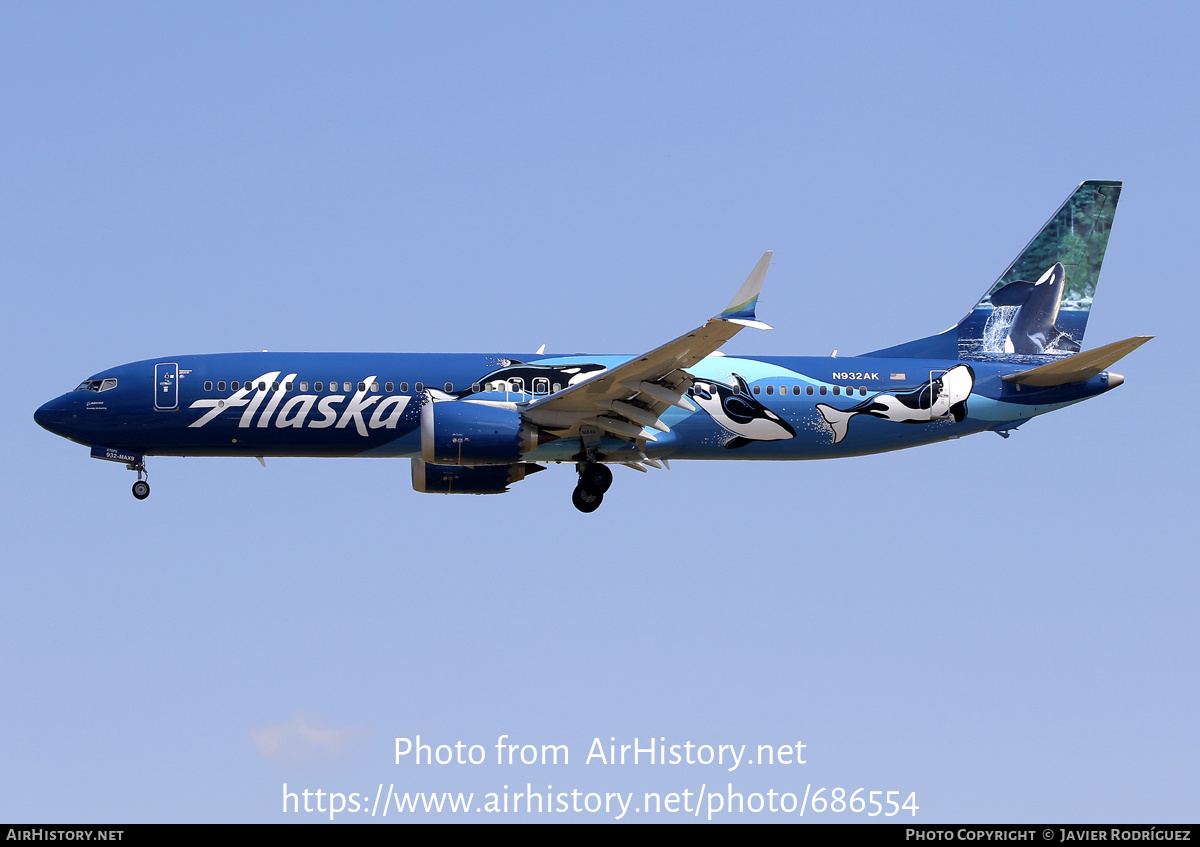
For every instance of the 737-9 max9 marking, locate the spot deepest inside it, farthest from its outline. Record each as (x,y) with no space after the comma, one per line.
(476,424)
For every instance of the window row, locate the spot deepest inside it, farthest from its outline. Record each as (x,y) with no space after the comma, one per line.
(515,385)
(808,389)
(333,386)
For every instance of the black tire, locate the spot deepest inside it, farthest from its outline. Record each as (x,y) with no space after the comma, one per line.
(141,489)
(586,501)
(596,478)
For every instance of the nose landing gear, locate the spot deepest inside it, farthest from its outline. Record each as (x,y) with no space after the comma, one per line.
(141,488)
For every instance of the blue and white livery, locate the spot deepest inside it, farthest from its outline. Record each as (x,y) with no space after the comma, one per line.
(477,423)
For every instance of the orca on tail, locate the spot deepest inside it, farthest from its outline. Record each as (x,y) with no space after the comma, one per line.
(1017,317)
(1034,326)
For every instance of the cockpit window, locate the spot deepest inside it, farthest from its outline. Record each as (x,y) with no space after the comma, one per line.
(97,385)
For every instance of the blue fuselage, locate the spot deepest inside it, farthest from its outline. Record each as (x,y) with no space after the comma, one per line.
(368,404)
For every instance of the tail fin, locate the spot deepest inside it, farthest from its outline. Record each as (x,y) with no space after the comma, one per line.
(1040,305)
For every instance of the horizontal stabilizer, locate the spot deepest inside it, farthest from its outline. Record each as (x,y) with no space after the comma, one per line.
(1081,366)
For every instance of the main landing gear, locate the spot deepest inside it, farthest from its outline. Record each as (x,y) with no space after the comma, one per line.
(141,488)
(594,480)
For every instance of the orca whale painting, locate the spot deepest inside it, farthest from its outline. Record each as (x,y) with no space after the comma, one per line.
(1047,317)
(1033,327)
(1037,311)
(517,377)
(941,398)
(737,411)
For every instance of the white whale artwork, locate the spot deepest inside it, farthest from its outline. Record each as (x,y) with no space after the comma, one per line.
(942,398)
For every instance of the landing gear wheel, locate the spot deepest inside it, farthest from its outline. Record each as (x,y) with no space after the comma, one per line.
(595,477)
(586,501)
(141,489)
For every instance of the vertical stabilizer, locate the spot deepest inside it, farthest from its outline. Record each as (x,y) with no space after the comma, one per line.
(1040,305)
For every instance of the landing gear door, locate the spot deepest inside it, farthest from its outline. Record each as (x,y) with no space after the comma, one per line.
(166,387)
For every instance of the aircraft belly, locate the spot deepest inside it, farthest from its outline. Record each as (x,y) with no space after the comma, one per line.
(997,411)
(227,438)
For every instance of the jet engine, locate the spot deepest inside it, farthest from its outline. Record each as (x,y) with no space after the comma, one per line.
(454,479)
(465,433)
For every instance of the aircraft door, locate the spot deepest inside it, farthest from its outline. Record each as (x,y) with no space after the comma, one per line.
(166,387)
(939,394)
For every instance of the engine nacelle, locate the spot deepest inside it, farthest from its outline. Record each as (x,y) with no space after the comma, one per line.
(453,479)
(462,433)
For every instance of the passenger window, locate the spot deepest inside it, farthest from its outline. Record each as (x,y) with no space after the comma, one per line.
(362,386)
(449,387)
(404,388)
(518,384)
(475,387)
(345,386)
(796,390)
(208,386)
(374,386)
(837,389)
(221,385)
(757,389)
(808,390)
(420,386)
(557,387)
(304,386)
(389,387)
(823,389)
(262,386)
(316,386)
(287,386)
(274,386)
(770,389)
(234,385)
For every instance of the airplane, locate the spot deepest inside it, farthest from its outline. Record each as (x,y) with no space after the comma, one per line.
(478,423)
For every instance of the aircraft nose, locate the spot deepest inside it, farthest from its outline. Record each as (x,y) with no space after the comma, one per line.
(52,416)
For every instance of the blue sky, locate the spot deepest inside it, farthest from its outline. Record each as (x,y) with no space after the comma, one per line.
(1004,627)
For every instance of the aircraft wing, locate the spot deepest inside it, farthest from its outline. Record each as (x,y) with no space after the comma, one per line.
(628,400)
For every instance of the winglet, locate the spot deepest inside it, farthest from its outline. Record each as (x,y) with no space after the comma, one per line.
(741,309)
